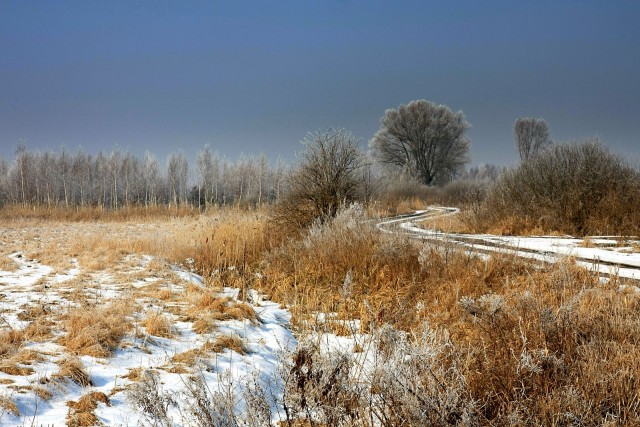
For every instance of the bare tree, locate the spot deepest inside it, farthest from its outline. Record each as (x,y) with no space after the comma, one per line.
(4,181)
(177,175)
(425,139)
(151,170)
(204,163)
(81,171)
(328,176)
(64,169)
(532,137)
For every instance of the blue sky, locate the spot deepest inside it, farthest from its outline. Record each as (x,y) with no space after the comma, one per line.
(252,77)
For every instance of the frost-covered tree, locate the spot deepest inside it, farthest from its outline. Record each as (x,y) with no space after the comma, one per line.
(532,137)
(425,139)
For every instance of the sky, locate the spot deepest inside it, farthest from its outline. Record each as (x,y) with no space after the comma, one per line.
(256,76)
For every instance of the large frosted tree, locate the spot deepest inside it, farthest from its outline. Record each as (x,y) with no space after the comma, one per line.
(424,139)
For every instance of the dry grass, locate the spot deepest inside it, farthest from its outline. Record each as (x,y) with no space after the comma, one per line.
(8,264)
(534,344)
(72,369)
(207,308)
(81,413)
(96,331)
(14,213)
(191,357)
(446,224)
(10,342)
(158,324)
(231,342)
(39,330)
(8,405)
(12,369)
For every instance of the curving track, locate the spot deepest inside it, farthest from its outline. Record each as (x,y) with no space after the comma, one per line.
(607,255)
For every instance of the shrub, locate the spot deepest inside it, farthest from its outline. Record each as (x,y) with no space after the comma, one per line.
(328,176)
(579,188)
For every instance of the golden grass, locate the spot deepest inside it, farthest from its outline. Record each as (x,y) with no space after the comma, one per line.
(534,340)
(11,369)
(8,264)
(33,311)
(446,224)
(81,413)
(158,324)
(41,392)
(72,369)
(231,342)
(8,405)
(191,357)
(12,213)
(10,342)
(134,374)
(39,329)
(94,331)
(207,308)
(533,343)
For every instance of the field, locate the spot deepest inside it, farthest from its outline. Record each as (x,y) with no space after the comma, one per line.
(221,319)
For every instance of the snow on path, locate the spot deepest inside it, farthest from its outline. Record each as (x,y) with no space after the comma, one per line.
(608,257)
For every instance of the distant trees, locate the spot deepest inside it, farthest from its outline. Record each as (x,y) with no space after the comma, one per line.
(532,137)
(426,140)
(118,179)
(329,175)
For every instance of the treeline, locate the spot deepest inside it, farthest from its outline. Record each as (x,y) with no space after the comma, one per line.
(119,178)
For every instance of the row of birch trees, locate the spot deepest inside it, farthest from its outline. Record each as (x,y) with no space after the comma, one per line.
(119,178)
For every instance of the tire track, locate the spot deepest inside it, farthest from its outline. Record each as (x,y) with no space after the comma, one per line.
(539,249)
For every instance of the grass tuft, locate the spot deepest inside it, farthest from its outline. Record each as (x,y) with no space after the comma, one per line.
(72,369)
(96,331)
(158,324)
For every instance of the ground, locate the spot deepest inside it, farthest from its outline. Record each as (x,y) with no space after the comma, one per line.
(88,309)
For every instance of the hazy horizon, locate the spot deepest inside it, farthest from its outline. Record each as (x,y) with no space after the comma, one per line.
(255,77)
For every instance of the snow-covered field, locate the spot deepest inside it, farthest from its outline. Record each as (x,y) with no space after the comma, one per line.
(35,391)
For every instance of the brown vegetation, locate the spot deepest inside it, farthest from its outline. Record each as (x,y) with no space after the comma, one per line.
(506,342)
(81,413)
(8,405)
(532,344)
(72,369)
(579,189)
(94,331)
(231,342)
(158,324)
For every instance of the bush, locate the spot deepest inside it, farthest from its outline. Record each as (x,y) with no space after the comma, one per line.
(579,188)
(329,176)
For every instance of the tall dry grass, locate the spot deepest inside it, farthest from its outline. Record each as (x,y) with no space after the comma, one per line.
(12,213)
(96,331)
(533,344)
